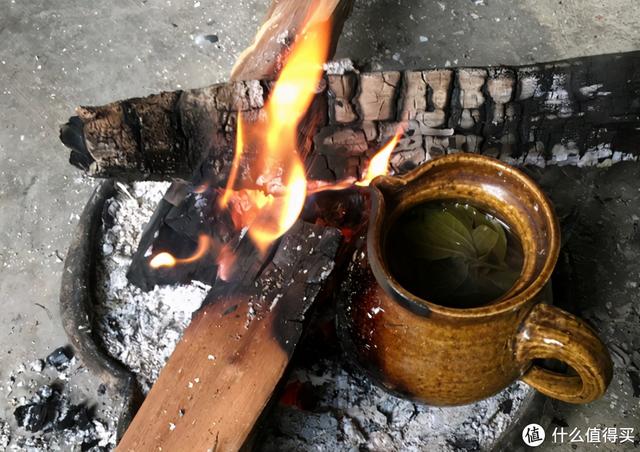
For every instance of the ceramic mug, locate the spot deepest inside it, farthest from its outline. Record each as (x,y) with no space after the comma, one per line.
(451,356)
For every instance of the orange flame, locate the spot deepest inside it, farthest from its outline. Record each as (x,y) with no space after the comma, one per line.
(379,163)
(233,174)
(265,228)
(276,137)
(165,259)
(378,166)
(296,86)
(270,209)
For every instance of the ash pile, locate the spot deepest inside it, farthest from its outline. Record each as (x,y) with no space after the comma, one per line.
(51,412)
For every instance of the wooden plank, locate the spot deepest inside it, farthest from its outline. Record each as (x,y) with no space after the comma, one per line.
(226,367)
(230,358)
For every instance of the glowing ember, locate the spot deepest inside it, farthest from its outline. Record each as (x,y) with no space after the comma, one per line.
(226,261)
(167,260)
(162,260)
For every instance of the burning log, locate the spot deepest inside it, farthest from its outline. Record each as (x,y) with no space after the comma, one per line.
(237,348)
(222,374)
(532,115)
(264,58)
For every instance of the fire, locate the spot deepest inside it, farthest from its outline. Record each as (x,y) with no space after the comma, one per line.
(163,260)
(296,86)
(379,164)
(273,203)
(276,138)
(265,229)
(167,260)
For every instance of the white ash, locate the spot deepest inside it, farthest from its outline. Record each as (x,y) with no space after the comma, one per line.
(353,414)
(591,90)
(138,328)
(339,67)
(93,431)
(5,435)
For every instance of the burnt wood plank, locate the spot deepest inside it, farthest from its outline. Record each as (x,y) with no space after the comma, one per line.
(223,371)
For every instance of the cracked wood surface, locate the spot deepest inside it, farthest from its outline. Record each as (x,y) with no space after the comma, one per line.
(580,111)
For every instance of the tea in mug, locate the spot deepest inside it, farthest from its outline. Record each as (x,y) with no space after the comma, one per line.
(453,254)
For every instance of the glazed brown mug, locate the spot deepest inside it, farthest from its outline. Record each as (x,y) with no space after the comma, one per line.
(451,356)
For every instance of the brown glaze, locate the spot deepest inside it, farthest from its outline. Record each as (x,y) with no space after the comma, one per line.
(449,356)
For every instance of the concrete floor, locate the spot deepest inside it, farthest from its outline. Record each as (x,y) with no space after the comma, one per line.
(56,55)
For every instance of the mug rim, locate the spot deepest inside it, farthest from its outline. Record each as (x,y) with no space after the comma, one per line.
(423,306)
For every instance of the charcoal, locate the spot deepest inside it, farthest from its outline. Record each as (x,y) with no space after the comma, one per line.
(506,406)
(69,416)
(60,358)
(92,445)
(465,445)
(32,416)
(40,413)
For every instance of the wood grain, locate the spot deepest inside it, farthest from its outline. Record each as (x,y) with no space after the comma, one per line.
(223,372)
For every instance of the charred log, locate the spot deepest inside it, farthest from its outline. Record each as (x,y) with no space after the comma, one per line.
(541,114)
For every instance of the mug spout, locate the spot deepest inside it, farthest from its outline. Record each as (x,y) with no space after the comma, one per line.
(387,188)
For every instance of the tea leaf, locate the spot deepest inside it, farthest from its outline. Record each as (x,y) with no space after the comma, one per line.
(499,250)
(465,213)
(454,253)
(439,235)
(484,239)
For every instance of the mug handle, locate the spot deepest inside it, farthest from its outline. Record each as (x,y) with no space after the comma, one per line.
(551,333)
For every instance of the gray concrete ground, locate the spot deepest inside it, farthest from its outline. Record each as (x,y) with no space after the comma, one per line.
(56,55)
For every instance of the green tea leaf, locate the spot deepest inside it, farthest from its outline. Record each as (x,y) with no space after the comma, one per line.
(438,235)
(484,239)
(500,248)
(465,213)
(455,254)
(499,251)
